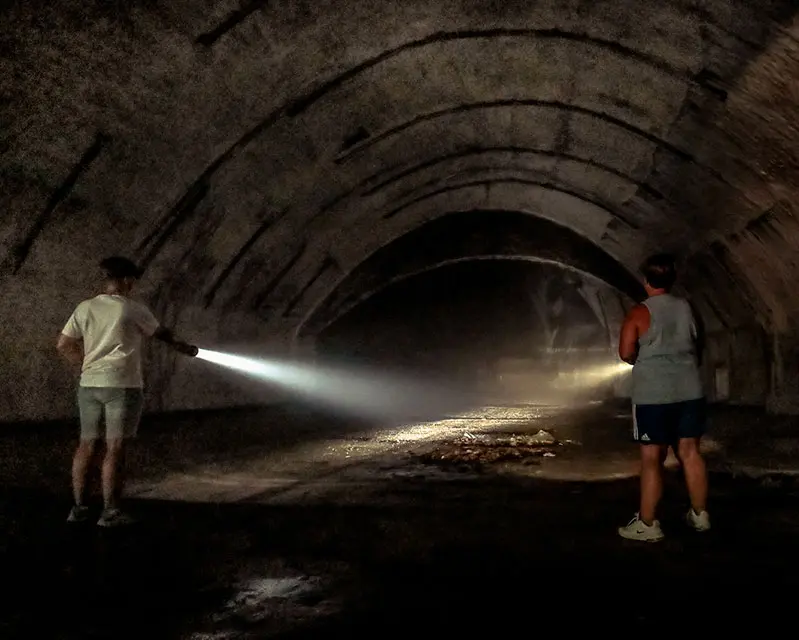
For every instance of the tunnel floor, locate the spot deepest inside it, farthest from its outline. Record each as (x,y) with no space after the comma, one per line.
(284,523)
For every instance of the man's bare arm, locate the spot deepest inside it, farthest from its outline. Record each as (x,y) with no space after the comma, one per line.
(71,349)
(635,325)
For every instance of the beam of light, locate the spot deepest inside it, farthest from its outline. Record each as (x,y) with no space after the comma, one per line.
(261,368)
(594,375)
(363,392)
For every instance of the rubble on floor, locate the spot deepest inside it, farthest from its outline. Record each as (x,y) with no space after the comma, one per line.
(475,450)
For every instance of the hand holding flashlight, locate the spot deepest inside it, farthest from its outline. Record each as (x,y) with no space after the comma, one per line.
(166,335)
(187,349)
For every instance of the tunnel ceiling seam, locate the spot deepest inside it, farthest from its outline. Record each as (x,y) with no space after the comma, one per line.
(722,317)
(301,104)
(660,143)
(720,253)
(231,264)
(707,18)
(230,22)
(520,181)
(599,259)
(328,263)
(350,303)
(514,103)
(248,8)
(618,277)
(297,106)
(549,179)
(19,252)
(502,149)
(261,298)
(172,221)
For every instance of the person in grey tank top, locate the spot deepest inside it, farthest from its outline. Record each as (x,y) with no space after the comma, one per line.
(660,338)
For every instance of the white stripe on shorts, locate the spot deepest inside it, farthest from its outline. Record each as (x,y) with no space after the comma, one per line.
(635,424)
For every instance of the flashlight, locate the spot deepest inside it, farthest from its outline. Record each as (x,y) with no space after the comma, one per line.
(187,349)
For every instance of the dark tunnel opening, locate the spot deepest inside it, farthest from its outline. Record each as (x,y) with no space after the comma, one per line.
(514,331)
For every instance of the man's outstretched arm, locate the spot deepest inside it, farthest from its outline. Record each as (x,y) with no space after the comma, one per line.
(166,335)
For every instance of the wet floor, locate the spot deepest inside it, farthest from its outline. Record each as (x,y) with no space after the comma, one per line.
(335,529)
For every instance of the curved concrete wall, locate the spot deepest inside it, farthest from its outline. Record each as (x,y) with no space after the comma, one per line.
(252,156)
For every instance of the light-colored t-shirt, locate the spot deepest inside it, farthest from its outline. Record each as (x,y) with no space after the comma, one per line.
(112,328)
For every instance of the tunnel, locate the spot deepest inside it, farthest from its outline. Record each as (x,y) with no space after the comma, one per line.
(257,160)
(371,181)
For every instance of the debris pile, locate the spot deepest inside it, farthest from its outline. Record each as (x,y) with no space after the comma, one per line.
(471,450)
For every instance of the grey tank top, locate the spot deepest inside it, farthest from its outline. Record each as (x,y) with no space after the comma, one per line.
(666,369)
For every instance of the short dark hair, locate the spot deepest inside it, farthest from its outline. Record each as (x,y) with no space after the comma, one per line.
(660,271)
(117,268)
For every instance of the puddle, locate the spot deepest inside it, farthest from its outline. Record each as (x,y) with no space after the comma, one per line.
(255,594)
(266,603)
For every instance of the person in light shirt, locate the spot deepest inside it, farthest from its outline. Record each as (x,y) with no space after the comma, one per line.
(104,337)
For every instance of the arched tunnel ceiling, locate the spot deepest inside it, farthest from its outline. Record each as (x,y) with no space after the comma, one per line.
(266,150)
(470,235)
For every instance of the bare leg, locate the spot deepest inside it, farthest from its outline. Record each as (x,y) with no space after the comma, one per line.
(695,473)
(80,468)
(652,456)
(113,472)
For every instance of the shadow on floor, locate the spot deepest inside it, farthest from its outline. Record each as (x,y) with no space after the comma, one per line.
(451,559)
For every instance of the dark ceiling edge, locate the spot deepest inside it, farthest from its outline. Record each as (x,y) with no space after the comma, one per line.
(542,179)
(526,103)
(661,64)
(515,103)
(561,155)
(251,241)
(19,253)
(520,181)
(630,276)
(262,228)
(236,17)
(297,106)
(271,285)
(301,332)
(176,216)
(328,263)
(230,22)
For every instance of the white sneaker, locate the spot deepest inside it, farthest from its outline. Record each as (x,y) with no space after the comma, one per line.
(637,529)
(698,521)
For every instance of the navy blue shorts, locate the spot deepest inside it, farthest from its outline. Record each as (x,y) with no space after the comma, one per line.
(666,424)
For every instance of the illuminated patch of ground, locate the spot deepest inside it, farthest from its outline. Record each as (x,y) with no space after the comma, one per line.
(476,451)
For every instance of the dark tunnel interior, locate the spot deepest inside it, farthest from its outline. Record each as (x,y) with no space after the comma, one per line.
(435,208)
(481,324)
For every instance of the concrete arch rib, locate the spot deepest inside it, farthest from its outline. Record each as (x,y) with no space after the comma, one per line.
(586,219)
(308,330)
(603,183)
(509,180)
(347,243)
(301,107)
(460,234)
(516,103)
(386,178)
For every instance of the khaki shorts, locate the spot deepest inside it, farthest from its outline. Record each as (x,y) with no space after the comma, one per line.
(118,408)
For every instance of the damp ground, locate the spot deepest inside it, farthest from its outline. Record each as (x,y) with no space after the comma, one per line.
(281,522)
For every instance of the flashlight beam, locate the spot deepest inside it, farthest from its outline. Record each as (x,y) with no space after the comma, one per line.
(362,393)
